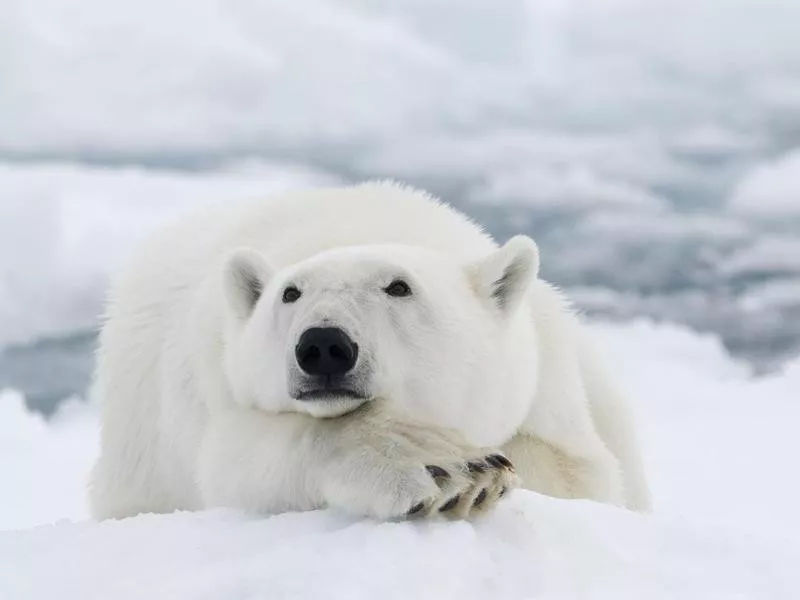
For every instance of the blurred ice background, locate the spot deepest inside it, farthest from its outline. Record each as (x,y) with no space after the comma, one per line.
(651,147)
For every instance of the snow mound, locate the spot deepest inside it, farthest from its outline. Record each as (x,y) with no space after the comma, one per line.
(43,464)
(531,547)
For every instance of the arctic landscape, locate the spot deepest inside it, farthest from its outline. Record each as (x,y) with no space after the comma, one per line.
(652,149)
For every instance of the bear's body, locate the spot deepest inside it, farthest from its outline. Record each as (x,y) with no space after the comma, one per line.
(449,349)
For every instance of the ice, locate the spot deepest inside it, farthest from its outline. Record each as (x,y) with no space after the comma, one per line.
(373,88)
(720,447)
(773,254)
(771,189)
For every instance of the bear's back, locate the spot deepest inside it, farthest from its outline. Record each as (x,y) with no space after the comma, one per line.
(298,226)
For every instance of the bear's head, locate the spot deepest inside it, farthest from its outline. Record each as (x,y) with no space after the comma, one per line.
(448,342)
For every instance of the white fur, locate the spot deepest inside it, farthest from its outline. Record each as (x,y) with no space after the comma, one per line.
(196,364)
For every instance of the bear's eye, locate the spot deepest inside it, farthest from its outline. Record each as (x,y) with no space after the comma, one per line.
(291,294)
(398,288)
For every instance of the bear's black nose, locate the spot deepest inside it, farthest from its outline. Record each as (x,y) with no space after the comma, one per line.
(326,351)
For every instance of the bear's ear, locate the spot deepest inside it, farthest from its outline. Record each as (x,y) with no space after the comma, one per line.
(503,276)
(245,276)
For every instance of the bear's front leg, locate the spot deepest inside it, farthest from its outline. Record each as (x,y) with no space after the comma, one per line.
(370,462)
(386,466)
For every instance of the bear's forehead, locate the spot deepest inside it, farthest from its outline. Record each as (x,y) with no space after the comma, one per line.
(374,267)
(363,264)
(334,273)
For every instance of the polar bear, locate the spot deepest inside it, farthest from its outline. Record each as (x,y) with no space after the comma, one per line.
(366,348)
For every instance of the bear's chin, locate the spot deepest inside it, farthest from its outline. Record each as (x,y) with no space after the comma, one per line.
(330,406)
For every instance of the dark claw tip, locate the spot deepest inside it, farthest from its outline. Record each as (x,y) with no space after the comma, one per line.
(492,460)
(450,504)
(436,472)
(416,508)
(480,498)
(476,467)
(504,460)
(498,460)
(503,492)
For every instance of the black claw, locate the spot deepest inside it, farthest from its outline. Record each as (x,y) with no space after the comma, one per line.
(479,499)
(437,472)
(506,463)
(502,492)
(476,467)
(450,504)
(500,461)
(494,462)
(416,508)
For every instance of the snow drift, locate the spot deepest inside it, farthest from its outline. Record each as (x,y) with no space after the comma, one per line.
(531,547)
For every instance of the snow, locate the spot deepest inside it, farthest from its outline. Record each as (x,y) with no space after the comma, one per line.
(532,547)
(770,189)
(43,465)
(720,447)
